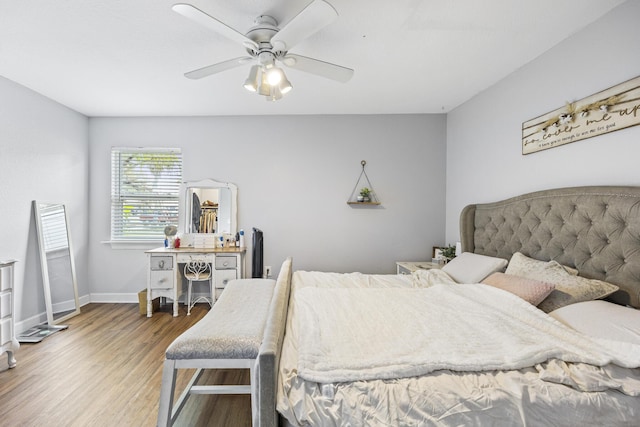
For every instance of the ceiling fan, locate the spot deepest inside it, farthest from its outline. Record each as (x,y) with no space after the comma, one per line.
(266,44)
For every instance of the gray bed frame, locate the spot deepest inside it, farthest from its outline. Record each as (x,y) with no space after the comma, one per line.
(594,229)
(269,354)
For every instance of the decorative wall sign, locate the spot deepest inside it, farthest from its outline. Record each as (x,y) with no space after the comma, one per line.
(607,111)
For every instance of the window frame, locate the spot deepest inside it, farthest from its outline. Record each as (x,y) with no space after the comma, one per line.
(161,199)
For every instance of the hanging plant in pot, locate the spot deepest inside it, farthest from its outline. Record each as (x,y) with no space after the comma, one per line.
(365,195)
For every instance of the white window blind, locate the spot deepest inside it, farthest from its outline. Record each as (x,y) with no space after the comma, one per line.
(145,187)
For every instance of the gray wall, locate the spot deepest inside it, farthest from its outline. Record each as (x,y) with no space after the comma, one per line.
(484,160)
(294,175)
(43,156)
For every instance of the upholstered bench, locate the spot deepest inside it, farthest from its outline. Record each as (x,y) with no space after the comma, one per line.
(228,337)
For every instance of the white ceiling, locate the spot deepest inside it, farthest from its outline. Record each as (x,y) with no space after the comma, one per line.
(127,57)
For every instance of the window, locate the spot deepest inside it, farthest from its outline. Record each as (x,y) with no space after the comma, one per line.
(145,187)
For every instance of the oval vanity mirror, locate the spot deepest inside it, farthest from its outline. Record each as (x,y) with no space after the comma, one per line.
(209,206)
(56,261)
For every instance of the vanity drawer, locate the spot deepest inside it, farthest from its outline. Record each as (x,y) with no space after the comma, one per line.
(161,279)
(160,263)
(6,331)
(226,262)
(222,277)
(5,304)
(184,258)
(6,278)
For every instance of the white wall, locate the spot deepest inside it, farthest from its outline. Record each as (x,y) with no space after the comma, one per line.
(484,160)
(43,156)
(294,175)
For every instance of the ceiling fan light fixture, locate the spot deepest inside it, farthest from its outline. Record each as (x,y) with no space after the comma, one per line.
(264,88)
(285,85)
(274,75)
(274,94)
(267,43)
(254,79)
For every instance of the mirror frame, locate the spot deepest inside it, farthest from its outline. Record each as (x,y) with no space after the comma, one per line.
(51,320)
(186,202)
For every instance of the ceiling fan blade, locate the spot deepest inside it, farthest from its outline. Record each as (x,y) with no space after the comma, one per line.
(319,68)
(212,23)
(217,68)
(312,18)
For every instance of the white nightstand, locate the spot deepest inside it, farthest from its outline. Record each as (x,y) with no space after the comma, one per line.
(408,267)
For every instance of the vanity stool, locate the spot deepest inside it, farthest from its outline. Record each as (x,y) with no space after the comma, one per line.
(198,271)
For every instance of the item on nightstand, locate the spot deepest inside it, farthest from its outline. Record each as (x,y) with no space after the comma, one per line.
(448,253)
(242,245)
(408,267)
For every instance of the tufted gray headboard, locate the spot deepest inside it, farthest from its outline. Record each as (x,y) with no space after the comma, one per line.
(594,229)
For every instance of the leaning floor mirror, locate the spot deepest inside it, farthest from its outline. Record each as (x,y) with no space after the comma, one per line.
(56,260)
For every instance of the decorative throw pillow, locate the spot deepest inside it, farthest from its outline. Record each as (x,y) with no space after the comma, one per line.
(530,290)
(569,289)
(519,264)
(472,268)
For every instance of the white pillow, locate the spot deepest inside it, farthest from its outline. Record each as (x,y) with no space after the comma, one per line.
(472,268)
(601,319)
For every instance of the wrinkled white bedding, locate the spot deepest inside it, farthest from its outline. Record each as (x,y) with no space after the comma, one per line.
(364,334)
(548,393)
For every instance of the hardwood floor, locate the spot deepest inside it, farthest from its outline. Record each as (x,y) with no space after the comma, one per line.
(106,370)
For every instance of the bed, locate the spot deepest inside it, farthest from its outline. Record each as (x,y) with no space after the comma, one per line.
(536,323)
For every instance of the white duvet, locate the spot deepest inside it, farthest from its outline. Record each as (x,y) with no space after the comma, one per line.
(366,334)
(551,393)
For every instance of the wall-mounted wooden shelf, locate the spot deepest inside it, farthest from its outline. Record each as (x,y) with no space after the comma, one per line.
(363,203)
(363,182)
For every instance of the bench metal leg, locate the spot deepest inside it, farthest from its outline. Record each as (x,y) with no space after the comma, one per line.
(182,400)
(167,389)
(253,377)
(168,412)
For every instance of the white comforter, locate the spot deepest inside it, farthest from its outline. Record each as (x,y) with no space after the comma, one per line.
(538,395)
(366,334)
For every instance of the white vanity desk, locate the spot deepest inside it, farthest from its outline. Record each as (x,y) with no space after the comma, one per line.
(217,202)
(164,272)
